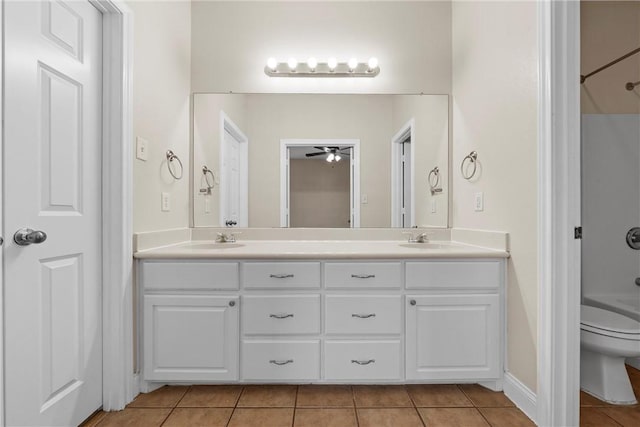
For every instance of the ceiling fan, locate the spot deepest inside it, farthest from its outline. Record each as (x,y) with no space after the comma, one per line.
(334,154)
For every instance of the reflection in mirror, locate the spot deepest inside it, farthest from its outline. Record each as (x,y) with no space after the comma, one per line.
(294,160)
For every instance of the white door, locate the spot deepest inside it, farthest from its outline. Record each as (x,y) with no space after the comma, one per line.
(231,181)
(52,166)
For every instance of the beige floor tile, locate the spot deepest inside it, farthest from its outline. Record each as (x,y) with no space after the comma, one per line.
(136,417)
(268,396)
(587,400)
(262,417)
(389,417)
(627,416)
(211,396)
(593,417)
(483,397)
(198,417)
(325,417)
(324,396)
(164,397)
(452,417)
(437,395)
(94,419)
(378,396)
(506,417)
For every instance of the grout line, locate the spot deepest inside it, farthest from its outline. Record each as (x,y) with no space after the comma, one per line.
(295,405)
(167,417)
(355,407)
(608,416)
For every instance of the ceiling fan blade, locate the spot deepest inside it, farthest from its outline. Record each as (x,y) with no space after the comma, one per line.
(315,154)
(324,149)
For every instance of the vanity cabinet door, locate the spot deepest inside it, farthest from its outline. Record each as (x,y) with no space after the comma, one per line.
(453,337)
(190,338)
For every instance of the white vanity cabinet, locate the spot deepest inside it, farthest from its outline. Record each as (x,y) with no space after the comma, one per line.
(322,321)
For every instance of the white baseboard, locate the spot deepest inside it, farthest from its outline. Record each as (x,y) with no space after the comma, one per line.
(634,362)
(521,395)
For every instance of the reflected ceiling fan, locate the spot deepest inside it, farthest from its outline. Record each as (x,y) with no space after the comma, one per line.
(334,154)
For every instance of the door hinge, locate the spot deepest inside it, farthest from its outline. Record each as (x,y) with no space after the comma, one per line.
(577,232)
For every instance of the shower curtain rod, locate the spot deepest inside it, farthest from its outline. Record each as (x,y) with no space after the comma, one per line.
(604,67)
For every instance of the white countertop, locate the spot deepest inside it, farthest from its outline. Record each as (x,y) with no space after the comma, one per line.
(318,249)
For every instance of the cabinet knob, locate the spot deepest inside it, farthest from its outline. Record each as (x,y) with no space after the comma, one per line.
(412,302)
(232,303)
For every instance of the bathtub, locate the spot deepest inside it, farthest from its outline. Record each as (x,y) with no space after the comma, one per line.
(625,304)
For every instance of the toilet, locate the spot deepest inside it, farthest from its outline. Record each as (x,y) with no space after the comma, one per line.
(606,340)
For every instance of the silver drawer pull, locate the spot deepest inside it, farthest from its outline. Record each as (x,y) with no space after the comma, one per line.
(364,362)
(363,316)
(281,362)
(363,276)
(281,316)
(281,276)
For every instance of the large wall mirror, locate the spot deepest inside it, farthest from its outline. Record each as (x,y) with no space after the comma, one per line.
(338,161)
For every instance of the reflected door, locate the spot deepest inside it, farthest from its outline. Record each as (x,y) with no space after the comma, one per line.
(52,167)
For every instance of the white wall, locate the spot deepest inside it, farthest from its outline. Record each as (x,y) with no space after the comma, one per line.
(161,89)
(495,113)
(232,41)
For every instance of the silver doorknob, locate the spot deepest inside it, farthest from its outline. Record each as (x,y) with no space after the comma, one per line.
(27,236)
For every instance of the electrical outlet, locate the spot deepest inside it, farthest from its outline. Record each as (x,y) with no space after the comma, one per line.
(434,206)
(207,205)
(165,205)
(142,149)
(364,199)
(478,204)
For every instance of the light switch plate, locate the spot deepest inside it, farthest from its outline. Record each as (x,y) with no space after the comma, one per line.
(434,206)
(142,149)
(478,203)
(207,205)
(364,199)
(165,202)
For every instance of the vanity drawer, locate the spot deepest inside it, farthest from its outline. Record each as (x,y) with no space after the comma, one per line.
(281,275)
(198,275)
(453,274)
(362,360)
(281,360)
(355,314)
(281,314)
(363,274)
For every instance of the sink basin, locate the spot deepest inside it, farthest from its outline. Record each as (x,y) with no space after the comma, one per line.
(215,245)
(424,245)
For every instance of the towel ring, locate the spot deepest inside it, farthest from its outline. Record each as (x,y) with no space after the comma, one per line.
(206,172)
(170,158)
(473,159)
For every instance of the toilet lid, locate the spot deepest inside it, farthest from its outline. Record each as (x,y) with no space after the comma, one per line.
(608,321)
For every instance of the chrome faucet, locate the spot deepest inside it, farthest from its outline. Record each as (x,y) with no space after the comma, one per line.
(226,238)
(420,238)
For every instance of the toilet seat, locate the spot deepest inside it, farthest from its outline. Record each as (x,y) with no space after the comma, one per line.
(605,322)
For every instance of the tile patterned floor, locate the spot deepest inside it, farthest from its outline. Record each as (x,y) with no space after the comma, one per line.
(317,406)
(345,406)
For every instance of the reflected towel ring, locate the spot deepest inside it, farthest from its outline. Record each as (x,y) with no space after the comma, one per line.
(170,158)
(434,178)
(206,172)
(473,160)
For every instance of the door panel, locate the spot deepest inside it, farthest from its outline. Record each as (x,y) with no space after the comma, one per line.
(52,174)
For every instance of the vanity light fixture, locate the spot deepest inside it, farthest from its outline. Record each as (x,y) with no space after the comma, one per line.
(315,68)
(337,157)
(330,157)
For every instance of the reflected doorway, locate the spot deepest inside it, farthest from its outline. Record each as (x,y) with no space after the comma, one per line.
(320,182)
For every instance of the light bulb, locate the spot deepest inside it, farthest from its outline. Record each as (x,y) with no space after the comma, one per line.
(373,63)
(353,63)
(292,64)
(312,63)
(337,157)
(272,64)
(332,63)
(330,157)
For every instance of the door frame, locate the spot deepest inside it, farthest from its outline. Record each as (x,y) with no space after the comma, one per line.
(226,124)
(409,127)
(285,144)
(559,255)
(119,384)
